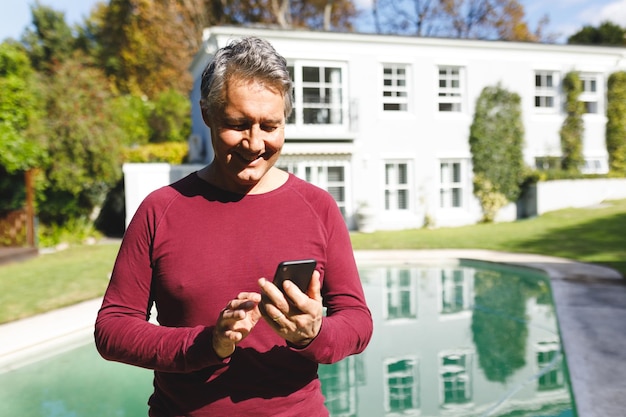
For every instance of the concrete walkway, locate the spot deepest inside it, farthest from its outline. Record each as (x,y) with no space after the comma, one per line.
(590,304)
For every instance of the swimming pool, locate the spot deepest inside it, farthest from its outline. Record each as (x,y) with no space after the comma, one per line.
(450,339)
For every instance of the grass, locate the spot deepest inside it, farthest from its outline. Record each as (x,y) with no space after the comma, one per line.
(595,235)
(54,280)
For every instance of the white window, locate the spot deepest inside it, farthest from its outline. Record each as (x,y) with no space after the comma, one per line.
(450,95)
(546,84)
(319,94)
(457,290)
(595,166)
(456,382)
(401,385)
(400,294)
(550,364)
(327,174)
(452,184)
(339,386)
(590,95)
(397,186)
(395,87)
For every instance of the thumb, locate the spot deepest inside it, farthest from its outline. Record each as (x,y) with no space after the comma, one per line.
(315,287)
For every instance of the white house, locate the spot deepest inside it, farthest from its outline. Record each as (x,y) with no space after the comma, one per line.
(383,121)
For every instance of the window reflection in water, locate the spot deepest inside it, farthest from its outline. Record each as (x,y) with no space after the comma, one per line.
(456,378)
(402,386)
(401,294)
(460,339)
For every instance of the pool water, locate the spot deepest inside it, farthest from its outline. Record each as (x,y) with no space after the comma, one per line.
(459,339)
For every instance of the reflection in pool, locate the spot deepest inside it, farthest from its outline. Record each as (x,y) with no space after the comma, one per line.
(468,339)
(461,339)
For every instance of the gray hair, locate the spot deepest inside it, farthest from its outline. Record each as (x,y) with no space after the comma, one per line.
(250,58)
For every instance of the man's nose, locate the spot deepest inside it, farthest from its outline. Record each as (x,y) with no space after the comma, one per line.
(254,140)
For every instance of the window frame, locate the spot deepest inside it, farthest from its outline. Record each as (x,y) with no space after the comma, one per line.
(392,191)
(403,291)
(591,96)
(461,381)
(449,94)
(297,118)
(395,94)
(446,187)
(300,166)
(456,293)
(548,89)
(413,386)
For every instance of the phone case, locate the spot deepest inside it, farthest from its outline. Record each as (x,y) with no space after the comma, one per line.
(299,272)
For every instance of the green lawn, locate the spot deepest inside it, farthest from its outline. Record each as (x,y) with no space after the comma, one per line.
(596,235)
(54,280)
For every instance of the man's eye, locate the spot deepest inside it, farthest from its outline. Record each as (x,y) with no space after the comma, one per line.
(237,126)
(269,128)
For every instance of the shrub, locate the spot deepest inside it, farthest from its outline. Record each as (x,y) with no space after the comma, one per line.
(170,152)
(616,122)
(496,139)
(491,200)
(73,231)
(573,127)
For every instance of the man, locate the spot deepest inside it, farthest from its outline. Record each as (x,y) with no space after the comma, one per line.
(230,342)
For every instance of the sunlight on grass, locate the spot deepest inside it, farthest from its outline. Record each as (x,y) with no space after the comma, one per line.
(593,234)
(54,280)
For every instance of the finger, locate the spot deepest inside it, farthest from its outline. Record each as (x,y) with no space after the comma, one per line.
(251,296)
(273,295)
(245,305)
(277,318)
(315,287)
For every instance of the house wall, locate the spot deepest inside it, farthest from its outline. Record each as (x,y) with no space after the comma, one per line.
(422,136)
(141,179)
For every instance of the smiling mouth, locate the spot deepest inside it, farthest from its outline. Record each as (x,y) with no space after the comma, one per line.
(250,159)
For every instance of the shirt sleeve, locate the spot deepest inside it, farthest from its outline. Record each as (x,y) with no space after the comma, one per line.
(347,327)
(122,330)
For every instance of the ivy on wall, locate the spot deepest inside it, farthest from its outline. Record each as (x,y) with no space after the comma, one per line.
(616,122)
(496,141)
(573,127)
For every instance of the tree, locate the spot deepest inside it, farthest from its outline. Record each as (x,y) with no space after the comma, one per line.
(616,122)
(20,111)
(170,120)
(82,141)
(410,17)
(606,33)
(499,329)
(496,140)
(478,19)
(573,127)
(50,41)
(144,48)
(130,113)
(323,14)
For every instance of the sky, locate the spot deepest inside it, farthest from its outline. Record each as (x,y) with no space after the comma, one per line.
(566,16)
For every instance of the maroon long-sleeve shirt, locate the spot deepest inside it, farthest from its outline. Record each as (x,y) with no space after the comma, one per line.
(191,248)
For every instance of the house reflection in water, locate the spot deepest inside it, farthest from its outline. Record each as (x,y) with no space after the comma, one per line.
(463,339)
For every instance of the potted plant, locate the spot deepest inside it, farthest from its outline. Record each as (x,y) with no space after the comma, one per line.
(365,217)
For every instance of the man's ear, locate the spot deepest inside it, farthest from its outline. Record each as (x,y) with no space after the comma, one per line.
(204,109)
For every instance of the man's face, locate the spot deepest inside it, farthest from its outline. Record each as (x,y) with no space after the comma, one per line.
(248,135)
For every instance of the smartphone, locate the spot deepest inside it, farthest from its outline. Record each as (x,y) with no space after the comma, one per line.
(299,272)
